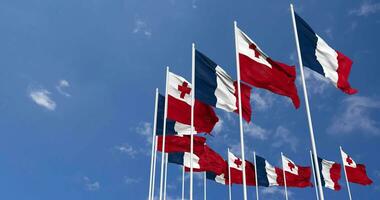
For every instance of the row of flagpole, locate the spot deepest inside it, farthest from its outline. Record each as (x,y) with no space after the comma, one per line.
(314,155)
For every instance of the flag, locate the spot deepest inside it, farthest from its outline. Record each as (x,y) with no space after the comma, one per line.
(184,159)
(330,172)
(356,173)
(321,58)
(296,176)
(216,88)
(267,175)
(257,69)
(172,127)
(179,143)
(179,106)
(236,169)
(210,161)
(221,178)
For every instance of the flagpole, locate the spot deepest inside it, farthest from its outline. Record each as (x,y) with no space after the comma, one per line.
(154,166)
(345,173)
(183,182)
(153,141)
(166,174)
(240,114)
(313,145)
(256,178)
(192,118)
(229,175)
(204,186)
(283,173)
(314,167)
(164,134)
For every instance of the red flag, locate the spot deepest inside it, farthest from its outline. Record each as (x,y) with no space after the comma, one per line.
(179,106)
(209,161)
(236,170)
(174,143)
(356,173)
(259,70)
(296,176)
(245,100)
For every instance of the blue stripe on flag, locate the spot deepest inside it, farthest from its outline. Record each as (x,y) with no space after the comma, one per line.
(176,158)
(205,79)
(262,178)
(210,175)
(320,170)
(160,119)
(308,44)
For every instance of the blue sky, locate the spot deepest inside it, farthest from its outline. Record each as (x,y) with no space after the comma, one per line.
(77,88)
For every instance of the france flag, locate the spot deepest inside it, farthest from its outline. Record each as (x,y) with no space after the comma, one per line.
(320,57)
(214,87)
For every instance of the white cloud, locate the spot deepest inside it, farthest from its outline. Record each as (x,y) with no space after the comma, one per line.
(315,82)
(62,84)
(91,185)
(142,27)
(194,4)
(356,115)
(129,180)
(256,131)
(329,33)
(41,97)
(218,127)
(127,149)
(145,129)
(262,100)
(283,137)
(366,8)
(274,191)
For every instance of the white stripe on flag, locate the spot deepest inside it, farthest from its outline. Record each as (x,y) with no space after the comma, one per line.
(328,58)
(225,91)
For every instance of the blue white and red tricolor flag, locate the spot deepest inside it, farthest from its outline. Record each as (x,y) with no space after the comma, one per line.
(221,178)
(215,87)
(330,172)
(179,106)
(257,69)
(321,58)
(296,175)
(356,173)
(267,175)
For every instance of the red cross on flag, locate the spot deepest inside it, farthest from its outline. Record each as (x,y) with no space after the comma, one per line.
(236,169)
(296,175)
(356,173)
(179,106)
(289,165)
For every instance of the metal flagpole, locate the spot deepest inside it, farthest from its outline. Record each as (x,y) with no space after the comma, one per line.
(183,182)
(204,186)
(166,174)
(256,178)
(154,166)
(192,118)
(229,175)
(164,134)
(345,173)
(314,167)
(153,145)
(283,173)
(240,114)
(313,146)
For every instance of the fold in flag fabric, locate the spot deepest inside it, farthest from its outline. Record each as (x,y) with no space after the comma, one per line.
(221,178)
(236,169)
(172,127)
(216,88)
(180,143)
(179,106)
(267,175)
(204,159)
(257,69)
(296,176)
(321,58)
(356,173)
(330,173)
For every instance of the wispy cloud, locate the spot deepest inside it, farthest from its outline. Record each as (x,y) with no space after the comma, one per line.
(366,8)
(91,185)
(194,4)
(275,191)
(145,129)
(316,83)
(127,149)
(355,114)
(262,100)
(218,127)
(42,98)
(130,180)
(142,28)
(62,85)
(283,137)
(256,131)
